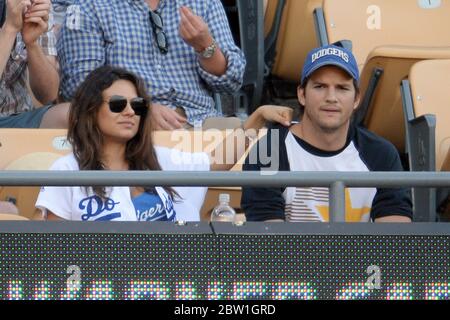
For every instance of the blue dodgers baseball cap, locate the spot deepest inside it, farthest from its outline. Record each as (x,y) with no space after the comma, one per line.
(330,55)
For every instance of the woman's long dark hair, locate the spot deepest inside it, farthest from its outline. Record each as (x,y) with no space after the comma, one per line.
(86,137)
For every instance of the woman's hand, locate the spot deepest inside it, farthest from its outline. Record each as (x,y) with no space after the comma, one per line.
(255,121)
(269,113)
(282,115)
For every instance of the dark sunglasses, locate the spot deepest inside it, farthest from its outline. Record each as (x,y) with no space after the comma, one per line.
(118,103)
(160,35)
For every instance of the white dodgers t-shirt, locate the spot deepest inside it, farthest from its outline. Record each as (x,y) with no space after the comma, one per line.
(77,203)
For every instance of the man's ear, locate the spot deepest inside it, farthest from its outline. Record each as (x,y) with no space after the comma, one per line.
(301,95)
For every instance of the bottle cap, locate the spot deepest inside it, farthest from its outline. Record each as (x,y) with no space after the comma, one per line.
(224,197)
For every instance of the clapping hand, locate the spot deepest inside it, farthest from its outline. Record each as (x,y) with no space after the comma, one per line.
(35,21)
(15,10)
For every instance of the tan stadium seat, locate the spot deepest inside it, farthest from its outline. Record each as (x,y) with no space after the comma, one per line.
(9,216)
(29,149)
(296,37)
(384,116)
(15,143)
(430,91)
(24,196)
(372,25)
(269,13)
(426,103)
(37,149)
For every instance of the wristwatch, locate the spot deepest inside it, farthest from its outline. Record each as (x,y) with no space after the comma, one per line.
(208,52)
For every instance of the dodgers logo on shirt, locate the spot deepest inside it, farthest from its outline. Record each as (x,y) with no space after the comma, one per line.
(94,206)
(169,209)
(152,214)
(168,204)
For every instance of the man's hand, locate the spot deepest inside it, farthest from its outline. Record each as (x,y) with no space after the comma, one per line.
(193,30)
(35,21)
(15,10)
(164,118)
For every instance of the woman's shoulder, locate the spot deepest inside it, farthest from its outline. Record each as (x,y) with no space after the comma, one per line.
(174,159)
(67,162)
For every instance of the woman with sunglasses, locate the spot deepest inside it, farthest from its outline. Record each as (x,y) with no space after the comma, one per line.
(110,129)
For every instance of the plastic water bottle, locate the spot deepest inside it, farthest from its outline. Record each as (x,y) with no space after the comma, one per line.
(223,212)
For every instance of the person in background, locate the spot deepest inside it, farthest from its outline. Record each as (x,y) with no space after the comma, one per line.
(184,50)
(28,57)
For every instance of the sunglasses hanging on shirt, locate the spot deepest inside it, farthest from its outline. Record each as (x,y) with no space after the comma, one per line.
(160,35)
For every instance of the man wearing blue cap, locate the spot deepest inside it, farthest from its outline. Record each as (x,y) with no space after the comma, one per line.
(325,140)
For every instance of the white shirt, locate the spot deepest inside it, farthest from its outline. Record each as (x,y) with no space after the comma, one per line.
(73,203)
(311,203)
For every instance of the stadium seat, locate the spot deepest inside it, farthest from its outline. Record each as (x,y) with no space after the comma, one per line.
(370,25)
(15,143)
(289,35)
(426,102)
(430,82)
(29,149)
(9,216)
(381,111)
(25,197)
(296,36)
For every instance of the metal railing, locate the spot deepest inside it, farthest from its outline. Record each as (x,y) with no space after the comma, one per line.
(335,181)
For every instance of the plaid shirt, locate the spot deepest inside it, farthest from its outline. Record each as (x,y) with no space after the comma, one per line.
(119,33)
(14,94)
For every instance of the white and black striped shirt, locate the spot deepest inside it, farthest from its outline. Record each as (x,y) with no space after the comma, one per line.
(363,151)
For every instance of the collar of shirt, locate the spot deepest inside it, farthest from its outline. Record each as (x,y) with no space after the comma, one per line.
(159,7)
